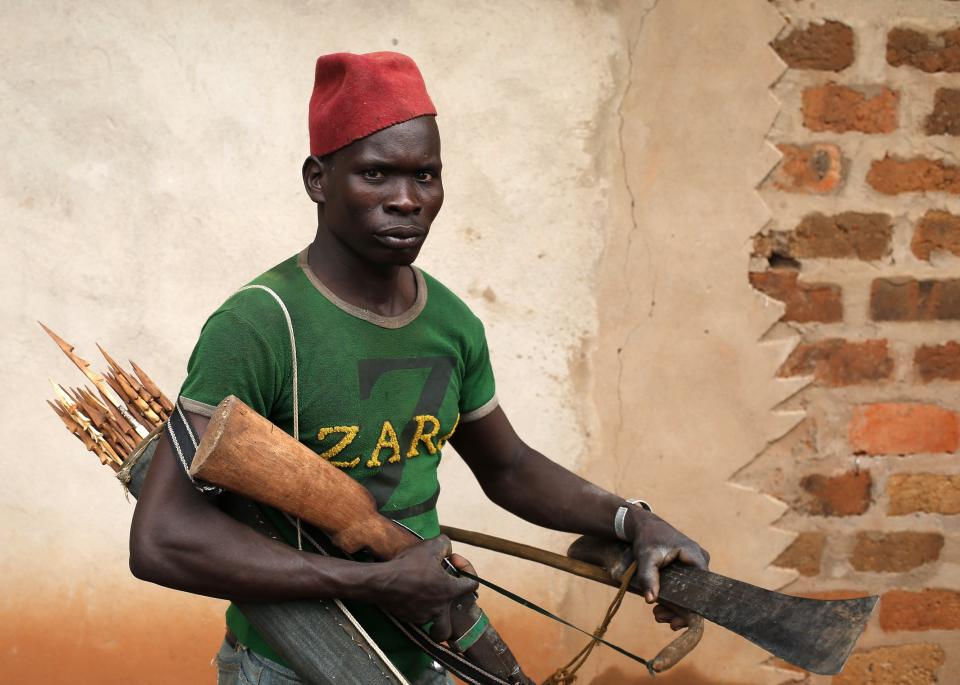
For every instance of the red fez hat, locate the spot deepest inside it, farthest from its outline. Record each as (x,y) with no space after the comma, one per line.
(356,95)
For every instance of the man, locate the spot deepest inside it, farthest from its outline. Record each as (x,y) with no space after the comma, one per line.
(389,366)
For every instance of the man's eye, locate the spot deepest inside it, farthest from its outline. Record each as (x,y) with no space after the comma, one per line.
(373,174)
(424,176)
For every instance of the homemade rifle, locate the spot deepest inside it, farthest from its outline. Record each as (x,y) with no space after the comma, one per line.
(246,454)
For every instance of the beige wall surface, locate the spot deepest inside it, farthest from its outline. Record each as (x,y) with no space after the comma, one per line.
(600,162)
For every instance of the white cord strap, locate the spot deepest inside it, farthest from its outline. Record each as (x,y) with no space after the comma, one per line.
(293,356)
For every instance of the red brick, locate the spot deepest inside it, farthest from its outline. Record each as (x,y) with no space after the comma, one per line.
(932,493)
(907,299)
(895,552)
(848,235)
(938,362)
(892,176)
(846,494)
(842,109)
(805,301)
(916,664)
(903,428)
(804,554)
(929,52)
(945,117)
(812,169)
(924,610)
(854,235)
(824,47)
(937,230)
(836,362)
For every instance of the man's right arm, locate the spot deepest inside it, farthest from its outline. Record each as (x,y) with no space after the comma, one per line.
(180,540)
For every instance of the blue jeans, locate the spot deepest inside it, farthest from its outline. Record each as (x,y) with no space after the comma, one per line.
(239,666)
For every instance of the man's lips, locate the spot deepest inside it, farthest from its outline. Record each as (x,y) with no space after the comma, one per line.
(403,236)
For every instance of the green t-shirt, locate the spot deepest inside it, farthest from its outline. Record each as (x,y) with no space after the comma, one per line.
(378,396)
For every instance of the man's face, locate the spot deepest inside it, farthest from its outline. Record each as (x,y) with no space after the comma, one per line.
(381,193)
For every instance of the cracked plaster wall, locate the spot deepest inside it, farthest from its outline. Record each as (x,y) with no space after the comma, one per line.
(600,161)
(682,387)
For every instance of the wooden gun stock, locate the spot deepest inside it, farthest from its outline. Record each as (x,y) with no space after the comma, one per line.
(246,454)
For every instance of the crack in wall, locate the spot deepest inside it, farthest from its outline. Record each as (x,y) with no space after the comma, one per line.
(634,228)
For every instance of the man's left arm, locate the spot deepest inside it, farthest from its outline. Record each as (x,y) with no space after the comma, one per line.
(526,483)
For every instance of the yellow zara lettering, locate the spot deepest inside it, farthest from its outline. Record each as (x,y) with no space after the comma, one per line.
(424,436)
(388,438)
(349,433)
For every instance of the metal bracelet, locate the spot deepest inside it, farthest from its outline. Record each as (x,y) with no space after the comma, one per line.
(621,516)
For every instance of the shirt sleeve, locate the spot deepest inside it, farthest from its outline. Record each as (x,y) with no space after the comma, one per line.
(231,358)
(478,395)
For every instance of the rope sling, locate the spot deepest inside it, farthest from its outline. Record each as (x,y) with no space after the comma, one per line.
(565,675)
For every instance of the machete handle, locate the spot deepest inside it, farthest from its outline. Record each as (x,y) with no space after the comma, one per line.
(669,656)
(615,558)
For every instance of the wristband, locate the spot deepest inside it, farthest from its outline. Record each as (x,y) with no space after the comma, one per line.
(621,516)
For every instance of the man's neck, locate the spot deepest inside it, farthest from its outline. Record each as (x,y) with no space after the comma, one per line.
(385,289)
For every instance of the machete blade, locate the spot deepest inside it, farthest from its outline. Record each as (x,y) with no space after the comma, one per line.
(815,634)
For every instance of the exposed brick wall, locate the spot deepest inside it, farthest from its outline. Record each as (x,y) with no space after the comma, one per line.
(827,46)
(934,362)
(910,664)
(945,117)
(930,609)
(903,428)
(908,299)
(804,555)
(892,176)
(936,231)
(841,109)
(934,493)
(804,301)
(863,250)
(836,362)
(927,51)
(855,235)
(812,169)
(895,552)
(842,494)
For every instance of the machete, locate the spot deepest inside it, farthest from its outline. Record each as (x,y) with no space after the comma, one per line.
(814,634)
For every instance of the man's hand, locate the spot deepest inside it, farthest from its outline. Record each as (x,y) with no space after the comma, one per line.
(657,544)
(414,586)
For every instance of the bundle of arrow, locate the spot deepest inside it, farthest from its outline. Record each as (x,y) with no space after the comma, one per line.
(129,406)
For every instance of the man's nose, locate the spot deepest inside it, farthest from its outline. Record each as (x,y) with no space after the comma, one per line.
(404,198)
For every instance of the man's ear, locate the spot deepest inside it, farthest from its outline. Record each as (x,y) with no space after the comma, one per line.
(314,170)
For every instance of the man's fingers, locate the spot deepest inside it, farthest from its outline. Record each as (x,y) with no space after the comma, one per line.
(662,614)
(695,556)
(443,546)
(463,584)
(649,575)
(442,629)
(461,563)
(665,612)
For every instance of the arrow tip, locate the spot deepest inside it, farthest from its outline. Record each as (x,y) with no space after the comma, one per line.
(63,344)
